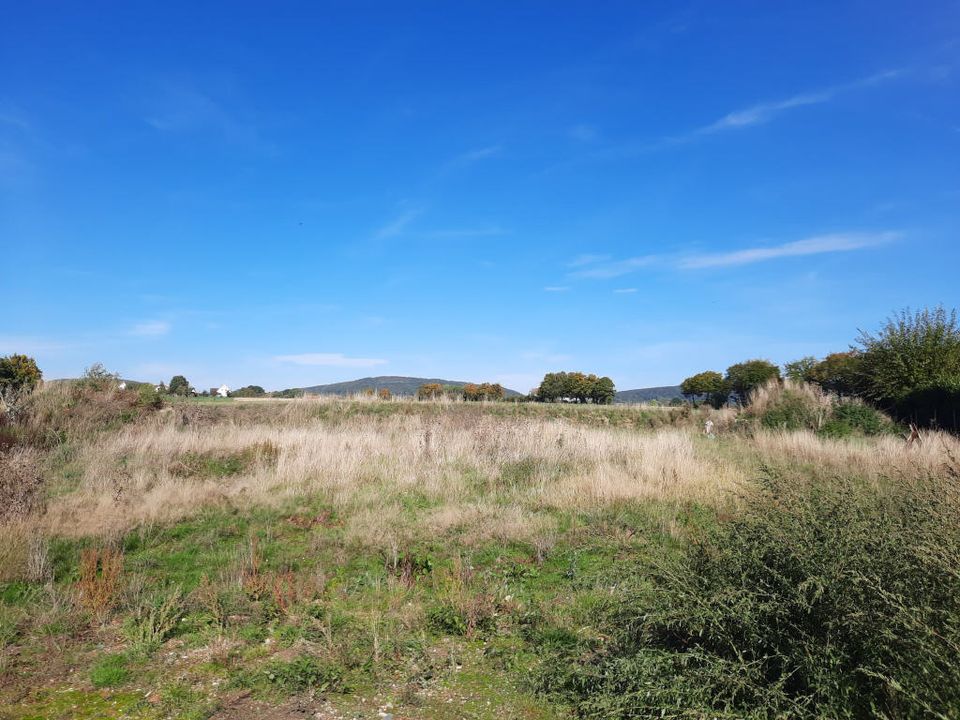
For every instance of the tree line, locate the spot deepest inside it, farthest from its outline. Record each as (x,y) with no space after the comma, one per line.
(575,387)
(910,369)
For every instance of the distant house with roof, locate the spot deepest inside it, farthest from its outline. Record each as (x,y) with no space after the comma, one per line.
(223,391)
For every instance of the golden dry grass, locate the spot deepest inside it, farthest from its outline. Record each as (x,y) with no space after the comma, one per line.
(480,472)
(488,473)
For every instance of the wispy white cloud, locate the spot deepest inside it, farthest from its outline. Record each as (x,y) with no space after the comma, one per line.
(600,267)
(587,259)
(625,291)
(750,116)
(616,268)
(397,226)
(819,244)
(472,156)
(152,328)
(183,106)
(493,231)
(27,345)
(556,288)
(329,360)
(765,111)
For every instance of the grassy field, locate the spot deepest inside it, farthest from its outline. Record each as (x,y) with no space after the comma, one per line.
(358,559)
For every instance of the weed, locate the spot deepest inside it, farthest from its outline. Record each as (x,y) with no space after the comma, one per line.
(302,673)
(99,582)
(109,671)
(154,619)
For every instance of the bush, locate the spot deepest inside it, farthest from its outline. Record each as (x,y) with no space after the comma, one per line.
(154,619)
(855,418)
(837,600)
(912,366)
(303,673)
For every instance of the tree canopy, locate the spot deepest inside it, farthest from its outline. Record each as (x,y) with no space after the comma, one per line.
(483,391)
(576,387)
(19,373)
(745,377)
(911,367)
(707,386)
(178,386)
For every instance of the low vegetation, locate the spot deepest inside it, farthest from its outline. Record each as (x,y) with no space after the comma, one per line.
(365,557)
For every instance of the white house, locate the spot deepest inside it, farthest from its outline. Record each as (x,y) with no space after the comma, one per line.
(223,391)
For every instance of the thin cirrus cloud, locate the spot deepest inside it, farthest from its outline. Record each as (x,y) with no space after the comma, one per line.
(766,111)
(329,360)
(398,225)
(612,269)
(153,328)
(817,245)
(750,116)
(556,288)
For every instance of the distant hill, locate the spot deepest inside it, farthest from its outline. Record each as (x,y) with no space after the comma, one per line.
(664,393)
(395,384)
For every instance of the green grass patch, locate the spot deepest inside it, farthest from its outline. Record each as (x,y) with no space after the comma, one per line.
(109,671)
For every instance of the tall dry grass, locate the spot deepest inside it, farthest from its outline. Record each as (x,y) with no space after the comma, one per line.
(482,473)
(472,470)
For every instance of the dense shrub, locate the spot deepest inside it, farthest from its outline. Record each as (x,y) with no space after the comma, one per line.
(797,405)
(744,378)
(855,418)
(838,600)
(912,366)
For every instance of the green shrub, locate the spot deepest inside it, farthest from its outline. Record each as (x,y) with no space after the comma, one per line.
(303,673)
(109,671)
(149,397)
(791,412)
(853,418)
(154,619)
(819,600)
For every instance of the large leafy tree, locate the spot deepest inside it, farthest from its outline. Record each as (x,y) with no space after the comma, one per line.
(603,391)
(800,369)
(576,386)
(745,377)
(709,386)
(19,373)
(912,365)
(179,385)
(837,373)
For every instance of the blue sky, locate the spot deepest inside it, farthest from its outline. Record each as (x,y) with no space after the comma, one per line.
(296,193)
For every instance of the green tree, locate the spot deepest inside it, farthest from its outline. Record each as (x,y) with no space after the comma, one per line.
(837,373)
(912,365)
(248,391)
(575,386)
(800,369)
(709,386)
(19,373)
(745,377)
(179,386)
(603,391)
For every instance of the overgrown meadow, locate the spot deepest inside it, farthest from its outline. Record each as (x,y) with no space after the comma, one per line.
(364,558)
